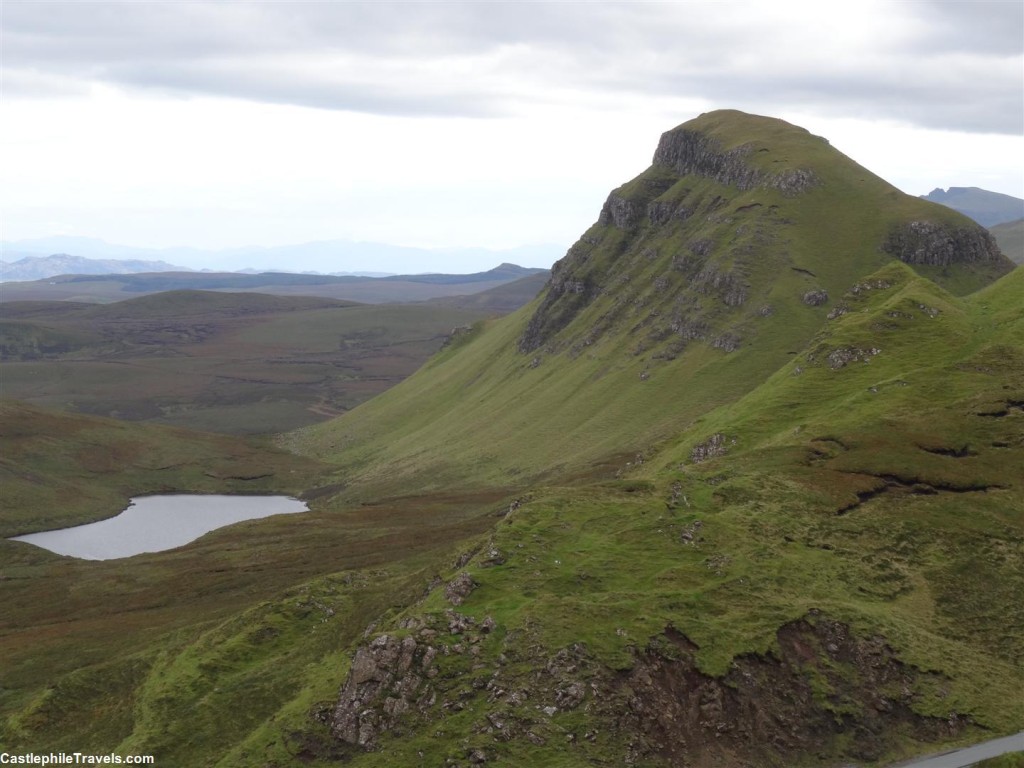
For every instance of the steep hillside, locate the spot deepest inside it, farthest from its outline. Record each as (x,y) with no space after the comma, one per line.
(824,570)
(702,274)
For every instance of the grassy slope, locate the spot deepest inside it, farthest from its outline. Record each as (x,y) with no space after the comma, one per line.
(1010,237)
(83,643)
(604,561)
(618,378)
(60,469)
(606,565)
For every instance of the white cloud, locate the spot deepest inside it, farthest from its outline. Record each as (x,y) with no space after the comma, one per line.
(491,124)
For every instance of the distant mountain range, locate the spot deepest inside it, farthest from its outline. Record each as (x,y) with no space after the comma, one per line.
(106,287)
(986,208)
(326,257)
(42,267)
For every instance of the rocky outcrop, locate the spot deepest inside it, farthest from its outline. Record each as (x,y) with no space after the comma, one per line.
(842,357)
(690,152)
(816,297)
(940,245)
(388,677)
(711,448)
(458,589)
(730,287)
(567,294)
(821,684)
(620,212)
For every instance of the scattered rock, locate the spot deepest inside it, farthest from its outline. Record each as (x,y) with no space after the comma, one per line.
(458,623)
(570,696)
(458,589)
(709,449)
(493,557)
(843,356)
(816,298)
(689,534)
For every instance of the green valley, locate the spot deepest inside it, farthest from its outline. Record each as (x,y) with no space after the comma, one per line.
(743,486)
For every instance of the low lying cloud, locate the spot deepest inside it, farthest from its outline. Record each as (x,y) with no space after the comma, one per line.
(946,65)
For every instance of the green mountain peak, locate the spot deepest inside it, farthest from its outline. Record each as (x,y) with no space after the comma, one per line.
(701,275)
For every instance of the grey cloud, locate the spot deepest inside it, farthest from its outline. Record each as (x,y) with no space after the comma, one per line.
(989,27)
(260,83)
(391,58)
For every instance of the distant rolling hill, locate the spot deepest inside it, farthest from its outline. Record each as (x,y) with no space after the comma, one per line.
(1010,237)
(218,361)
(394,288)
(502,299)
(986,208)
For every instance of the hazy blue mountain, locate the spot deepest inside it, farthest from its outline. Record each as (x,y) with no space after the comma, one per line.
(42,267)
(986,208)
(327,257)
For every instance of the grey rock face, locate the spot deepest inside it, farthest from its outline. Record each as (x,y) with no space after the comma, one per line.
(623,213)
(458,589)
(939,245)
(688,152)
(387,678)
(710,448)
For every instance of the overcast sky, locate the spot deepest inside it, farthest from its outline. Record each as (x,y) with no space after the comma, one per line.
(220,124)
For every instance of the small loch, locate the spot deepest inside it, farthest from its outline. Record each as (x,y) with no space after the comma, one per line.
(158,523)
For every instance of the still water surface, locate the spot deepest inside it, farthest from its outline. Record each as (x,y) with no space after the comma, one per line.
(156,523)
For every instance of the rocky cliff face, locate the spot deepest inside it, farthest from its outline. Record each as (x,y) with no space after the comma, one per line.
(389,676)
(688,153)
(770,709)
(940,245)
(672,251)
